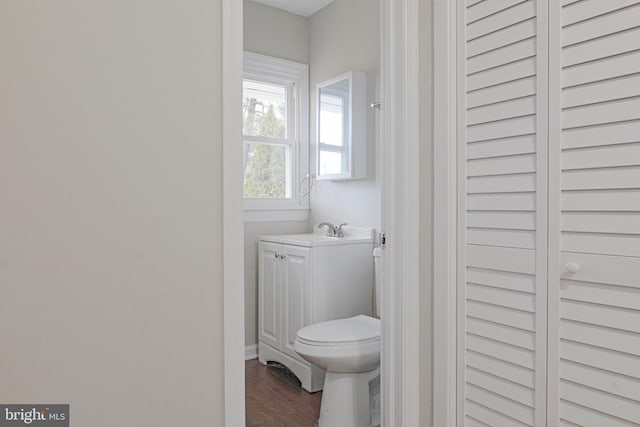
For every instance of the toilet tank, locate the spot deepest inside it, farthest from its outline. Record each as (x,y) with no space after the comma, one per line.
(378,280)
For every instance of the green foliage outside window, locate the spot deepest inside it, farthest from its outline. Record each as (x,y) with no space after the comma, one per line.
(266,166)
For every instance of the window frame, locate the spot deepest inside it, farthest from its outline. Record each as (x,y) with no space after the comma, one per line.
(295,77)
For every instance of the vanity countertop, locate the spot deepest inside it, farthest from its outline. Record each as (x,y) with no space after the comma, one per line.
(352,235)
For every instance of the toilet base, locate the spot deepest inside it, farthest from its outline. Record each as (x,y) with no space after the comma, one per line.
(345,399)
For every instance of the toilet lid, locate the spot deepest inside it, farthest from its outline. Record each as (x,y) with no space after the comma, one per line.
(353,329)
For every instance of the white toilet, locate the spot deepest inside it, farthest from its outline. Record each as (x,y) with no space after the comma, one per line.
(349,350)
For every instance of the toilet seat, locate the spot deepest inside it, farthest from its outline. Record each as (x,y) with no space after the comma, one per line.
(345,345)
(353,330)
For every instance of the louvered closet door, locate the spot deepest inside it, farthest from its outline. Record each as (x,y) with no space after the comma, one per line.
(595,375)
(502,136)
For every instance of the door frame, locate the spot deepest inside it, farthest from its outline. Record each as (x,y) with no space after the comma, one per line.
(232,209)
(400,125)
(400,358)
(445,238)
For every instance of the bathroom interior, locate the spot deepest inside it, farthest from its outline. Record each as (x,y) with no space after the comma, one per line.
(124,270)
(333,38)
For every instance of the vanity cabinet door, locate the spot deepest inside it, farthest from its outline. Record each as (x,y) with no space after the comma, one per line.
(268,294)
(295,262)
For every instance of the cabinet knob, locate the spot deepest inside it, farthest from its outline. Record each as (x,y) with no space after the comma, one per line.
(573,267)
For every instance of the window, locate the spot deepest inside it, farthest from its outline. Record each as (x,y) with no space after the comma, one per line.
(275,135)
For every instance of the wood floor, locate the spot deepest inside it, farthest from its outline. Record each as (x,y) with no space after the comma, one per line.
(274,398)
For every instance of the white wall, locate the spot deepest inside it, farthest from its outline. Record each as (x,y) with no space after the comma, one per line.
(273,32)
(345,36)
(110,219)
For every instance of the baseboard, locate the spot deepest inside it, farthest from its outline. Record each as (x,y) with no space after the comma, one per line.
(251,352)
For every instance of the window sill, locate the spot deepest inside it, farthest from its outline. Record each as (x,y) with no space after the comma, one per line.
(275,215)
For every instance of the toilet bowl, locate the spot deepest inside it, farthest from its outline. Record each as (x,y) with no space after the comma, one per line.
(349,350)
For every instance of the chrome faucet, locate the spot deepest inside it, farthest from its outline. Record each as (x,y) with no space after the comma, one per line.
(332,230)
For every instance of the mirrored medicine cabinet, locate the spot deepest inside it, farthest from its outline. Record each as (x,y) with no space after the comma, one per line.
(341,127)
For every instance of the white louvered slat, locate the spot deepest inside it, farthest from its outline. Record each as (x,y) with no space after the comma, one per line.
(472,422)
(615,133)
(508,353)
(602,201)
(607,90)
(602,380)
(502,147)
(503,201)
(515,374)
(511,89)
(502,165)
(502,279)
(498,21)
(596,293)
(602,25)
(502,74)
(501,315)
(585,416)
(598,336)
(491,417)
(594,222)
(603,244)
(484,9)
(504,406)
(521,394)
(611,270)
(607,316)
(471,3)
(603,69)
(601,401)
(508,220)
(502,129)
(600,358)
(587,9)
(501,259)
(601,179)
(515,183)
(602,157)
(502,333)
(608,112)
(614,44)
(498,296)
(500,237)
(504,37)
(501,56)
(501,111)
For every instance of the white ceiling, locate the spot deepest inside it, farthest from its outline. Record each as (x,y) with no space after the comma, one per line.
(304,8)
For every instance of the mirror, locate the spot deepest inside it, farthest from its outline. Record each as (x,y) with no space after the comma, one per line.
(341,127)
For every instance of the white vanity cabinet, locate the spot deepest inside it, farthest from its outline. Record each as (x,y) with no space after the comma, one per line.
(305,279)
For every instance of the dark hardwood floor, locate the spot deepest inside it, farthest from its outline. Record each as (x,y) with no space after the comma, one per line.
(274,398)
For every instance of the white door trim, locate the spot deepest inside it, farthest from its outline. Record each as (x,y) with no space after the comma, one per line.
(401,329)
(445,214)
(400,358)
(232,228)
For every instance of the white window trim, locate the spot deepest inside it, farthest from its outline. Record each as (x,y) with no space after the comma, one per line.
(281,71)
